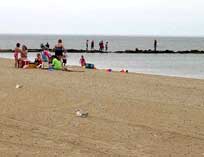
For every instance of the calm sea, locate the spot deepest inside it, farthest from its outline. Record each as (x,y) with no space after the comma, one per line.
(182,65)
(115,42)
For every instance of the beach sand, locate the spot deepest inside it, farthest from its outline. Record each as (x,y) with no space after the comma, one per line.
(129,114)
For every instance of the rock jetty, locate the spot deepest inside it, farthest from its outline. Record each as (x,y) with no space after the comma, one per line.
(136,51)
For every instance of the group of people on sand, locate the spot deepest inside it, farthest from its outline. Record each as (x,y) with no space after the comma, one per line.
(102,46)
(44,59)
(21,56)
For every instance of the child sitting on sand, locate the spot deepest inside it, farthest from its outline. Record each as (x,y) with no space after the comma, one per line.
(46,56)
(82,61)
(16,54)
(38,61)
(56,63)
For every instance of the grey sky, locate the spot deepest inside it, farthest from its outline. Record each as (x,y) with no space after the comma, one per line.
(118,17)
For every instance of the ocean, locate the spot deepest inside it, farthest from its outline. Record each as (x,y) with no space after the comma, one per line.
(181,65)
(115,42)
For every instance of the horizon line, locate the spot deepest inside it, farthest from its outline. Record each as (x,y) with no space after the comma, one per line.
(121,35)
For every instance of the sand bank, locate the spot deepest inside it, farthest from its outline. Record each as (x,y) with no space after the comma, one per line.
(129,114)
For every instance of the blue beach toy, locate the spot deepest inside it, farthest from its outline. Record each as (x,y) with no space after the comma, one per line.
(89,66)
(50,68)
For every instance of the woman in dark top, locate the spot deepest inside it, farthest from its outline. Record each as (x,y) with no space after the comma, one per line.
(59,48)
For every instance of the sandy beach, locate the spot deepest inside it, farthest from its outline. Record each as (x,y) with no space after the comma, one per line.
(129,114)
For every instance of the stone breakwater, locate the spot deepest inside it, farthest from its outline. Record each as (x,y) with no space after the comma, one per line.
(136,51)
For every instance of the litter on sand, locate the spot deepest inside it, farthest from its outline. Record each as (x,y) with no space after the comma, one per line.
(81,114)
(19,86)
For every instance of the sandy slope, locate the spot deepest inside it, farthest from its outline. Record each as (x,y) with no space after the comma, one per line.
(130,114)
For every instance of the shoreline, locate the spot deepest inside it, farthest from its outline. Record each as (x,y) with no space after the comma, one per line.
(139,73)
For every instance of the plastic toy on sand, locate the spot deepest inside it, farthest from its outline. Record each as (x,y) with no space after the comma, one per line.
(124,71)
(109,70)
(90,66)
(50,68)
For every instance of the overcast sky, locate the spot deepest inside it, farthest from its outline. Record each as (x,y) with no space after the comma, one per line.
(107,17)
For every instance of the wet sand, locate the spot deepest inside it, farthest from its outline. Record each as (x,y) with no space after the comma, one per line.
(129,114)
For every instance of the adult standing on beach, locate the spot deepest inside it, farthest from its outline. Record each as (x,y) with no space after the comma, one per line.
(23,61)
(17,51)
(24,52)
(92,45)
(155,45)
(59,48)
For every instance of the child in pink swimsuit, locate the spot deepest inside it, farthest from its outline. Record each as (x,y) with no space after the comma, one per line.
(16,54)
(23,61)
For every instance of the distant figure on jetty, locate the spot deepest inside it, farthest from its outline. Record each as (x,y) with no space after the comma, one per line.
(47,45)
(92,45)
(16,54)
(82,61)
(87,45)
(101,45)
(155,45)
(106,46)
(59,48)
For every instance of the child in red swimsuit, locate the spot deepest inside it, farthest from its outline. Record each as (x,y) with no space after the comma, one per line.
(38,61)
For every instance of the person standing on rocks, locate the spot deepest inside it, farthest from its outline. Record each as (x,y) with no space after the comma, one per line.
(155,45)
(101,45)
(106,46)
(87,45)
(92,45)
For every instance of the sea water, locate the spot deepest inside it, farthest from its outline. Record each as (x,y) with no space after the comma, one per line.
(115,42)
(181,65)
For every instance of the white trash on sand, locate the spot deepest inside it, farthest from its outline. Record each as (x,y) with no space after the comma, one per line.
(80,113)
(19,86)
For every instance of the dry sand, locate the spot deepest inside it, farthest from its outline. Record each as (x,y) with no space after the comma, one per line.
(129,114)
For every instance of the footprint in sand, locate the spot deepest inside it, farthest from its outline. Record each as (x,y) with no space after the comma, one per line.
(3,94)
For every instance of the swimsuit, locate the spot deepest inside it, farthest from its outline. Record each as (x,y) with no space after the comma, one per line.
(16,55)
(58,51)
(38,61)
